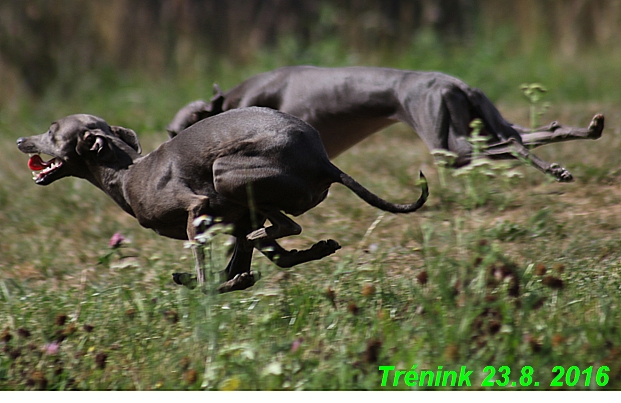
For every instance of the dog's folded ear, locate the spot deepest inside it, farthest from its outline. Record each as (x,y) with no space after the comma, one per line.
(128,136)
(94,141)
(216,90)
(196,111)
(216,101)
(200,109)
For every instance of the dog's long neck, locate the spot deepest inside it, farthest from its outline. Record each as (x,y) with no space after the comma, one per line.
(111,180)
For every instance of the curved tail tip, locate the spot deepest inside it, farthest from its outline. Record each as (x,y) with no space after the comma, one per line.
(424,185)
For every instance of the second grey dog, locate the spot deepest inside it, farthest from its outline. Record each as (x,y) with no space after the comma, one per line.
(350,103)
(245,166)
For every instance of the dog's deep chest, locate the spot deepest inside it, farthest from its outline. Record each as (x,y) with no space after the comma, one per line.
(161,197)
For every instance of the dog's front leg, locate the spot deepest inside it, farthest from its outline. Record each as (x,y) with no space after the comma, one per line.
(238,274)
(513,148)
(194,211)
(186,279)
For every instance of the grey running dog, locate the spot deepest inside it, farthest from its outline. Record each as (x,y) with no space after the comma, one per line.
(348,104)
(245,166)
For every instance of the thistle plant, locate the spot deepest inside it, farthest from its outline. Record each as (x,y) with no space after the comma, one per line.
(479,173)
(444,160)
(208,229)
(535,92)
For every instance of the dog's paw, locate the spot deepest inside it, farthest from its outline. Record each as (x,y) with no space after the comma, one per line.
(561,174)
(240,282)
(325,248)
(185,279)
(596,126)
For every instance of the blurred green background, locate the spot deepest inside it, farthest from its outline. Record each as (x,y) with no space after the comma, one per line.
(79,50)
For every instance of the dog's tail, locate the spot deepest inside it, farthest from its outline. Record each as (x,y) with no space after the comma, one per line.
(380,203)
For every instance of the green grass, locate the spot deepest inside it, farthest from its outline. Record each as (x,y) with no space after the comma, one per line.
(460,283)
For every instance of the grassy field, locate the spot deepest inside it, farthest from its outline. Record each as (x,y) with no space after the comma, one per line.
(510,270)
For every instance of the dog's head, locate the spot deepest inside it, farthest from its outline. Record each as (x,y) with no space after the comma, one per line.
(76,143)
(196,111)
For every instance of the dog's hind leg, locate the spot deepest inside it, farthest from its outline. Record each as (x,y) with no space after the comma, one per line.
(238,273)
(555,133)
(288,258)
(281,227)
(238,270)
(508,141)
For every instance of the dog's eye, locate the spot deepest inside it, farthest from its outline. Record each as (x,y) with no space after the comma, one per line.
(53,128)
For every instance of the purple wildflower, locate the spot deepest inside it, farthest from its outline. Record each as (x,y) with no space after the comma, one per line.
(51,348)
(116,241)
(297,343)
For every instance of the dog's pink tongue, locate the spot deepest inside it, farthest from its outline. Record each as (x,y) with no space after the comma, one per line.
(35,163)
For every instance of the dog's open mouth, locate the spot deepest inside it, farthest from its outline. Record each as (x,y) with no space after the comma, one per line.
(42,169)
